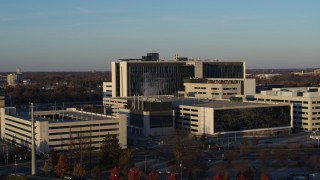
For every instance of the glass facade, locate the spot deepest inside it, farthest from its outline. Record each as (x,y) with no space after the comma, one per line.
(157,79)
(223,70)
(251,118)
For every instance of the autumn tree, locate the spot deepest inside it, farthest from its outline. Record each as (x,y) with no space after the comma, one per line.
(186,149)
(134,174)
(255,141)
(172,176)
(114,174)
(96,173)
(110,151)
(78,170)
(218,176)
(244,148)
(315,162)
(46,168)
(62,165)
(126,161)
(80,146)
(153,175)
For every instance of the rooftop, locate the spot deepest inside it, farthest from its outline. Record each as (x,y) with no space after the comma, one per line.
(219,104)
(68,115)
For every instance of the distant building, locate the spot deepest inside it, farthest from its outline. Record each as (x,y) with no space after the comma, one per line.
(316,72)
(14,79)
(59,129)
(151,76)
(267,76)
(218,88)
(302,73)
(305,100)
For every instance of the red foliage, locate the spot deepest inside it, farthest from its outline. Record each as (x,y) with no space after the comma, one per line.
(172,176)
(218,177)
(153,175)
(134,174)
(114,174)
(264,177)
(241,177)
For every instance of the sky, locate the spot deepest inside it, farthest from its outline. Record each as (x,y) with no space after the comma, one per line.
(82,35)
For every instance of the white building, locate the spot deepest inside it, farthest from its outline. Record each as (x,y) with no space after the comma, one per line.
(218,88)
(215,116)
(107,89)
(305,100)
(58,129)
(151,76)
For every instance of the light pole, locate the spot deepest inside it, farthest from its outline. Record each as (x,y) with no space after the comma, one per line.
(181,170)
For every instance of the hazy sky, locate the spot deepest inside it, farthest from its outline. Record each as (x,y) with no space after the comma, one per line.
(76,35)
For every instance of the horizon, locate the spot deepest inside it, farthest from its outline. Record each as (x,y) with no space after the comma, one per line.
(56,36)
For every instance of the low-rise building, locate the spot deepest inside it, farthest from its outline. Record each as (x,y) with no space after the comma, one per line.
(60,129)
(305,100)
(150,116)
(218,88)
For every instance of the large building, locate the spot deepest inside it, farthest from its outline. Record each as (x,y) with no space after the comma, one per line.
(151,115)
(215,117)
(306,104)
(218,88)
(60,129)
(151,76)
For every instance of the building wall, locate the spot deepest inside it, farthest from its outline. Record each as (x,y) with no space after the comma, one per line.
(107,89)
(141,122)
(114,105)
(209,90)
(2,101)
(146,78)
(306,108)
(200,120)
(12,79)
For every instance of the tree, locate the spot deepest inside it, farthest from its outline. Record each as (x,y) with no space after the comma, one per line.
(315,162)
(255,141)
(62,165)
(45,168)
(244,149)
(96,173)
(78,171)
(172,176)
(218,177)
(134,174)
(110,150)
(114,174)
(153,175)
(264,177)
(126,161)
